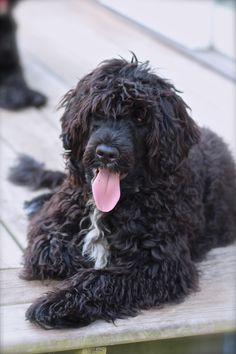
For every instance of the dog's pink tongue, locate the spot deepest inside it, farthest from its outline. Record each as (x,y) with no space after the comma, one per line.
(106,189)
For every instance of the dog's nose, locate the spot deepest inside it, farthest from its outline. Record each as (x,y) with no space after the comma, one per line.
(107,153)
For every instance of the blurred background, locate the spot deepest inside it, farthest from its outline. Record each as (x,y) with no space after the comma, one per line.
(190,42)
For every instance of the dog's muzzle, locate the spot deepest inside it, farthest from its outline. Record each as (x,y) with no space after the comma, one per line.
(109,155)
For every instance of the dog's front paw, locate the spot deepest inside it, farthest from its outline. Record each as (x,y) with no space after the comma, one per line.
(59,312)
(41,313)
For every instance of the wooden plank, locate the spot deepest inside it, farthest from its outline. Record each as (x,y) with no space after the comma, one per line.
(12,197)
(32,132)
(211,310)
(12,288)
(69,32)
(11,254)
(42,78)
(29,133)
(210,96)
(23,337)
(100,350)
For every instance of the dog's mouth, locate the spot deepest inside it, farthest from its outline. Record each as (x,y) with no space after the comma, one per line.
(106,188)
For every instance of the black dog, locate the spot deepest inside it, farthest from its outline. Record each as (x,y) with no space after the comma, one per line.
(14,92)
(147,194)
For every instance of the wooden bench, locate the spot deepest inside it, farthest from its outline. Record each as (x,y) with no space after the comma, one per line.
(209,311)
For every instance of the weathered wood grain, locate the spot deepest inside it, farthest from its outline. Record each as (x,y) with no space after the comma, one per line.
(41,76)
(29,133)
(12,287)
(93,34)
(211,310)
(10,252)
(54,87)
(12,197)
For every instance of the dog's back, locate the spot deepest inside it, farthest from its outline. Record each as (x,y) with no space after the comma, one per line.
(219,189)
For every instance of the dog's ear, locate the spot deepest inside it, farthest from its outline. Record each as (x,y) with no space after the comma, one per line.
(173,133)
(75,129)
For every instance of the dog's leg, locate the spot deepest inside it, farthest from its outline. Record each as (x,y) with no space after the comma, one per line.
(54,244)
(113,293)
(52,255)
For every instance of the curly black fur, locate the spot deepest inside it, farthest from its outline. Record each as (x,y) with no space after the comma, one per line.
(14,92)
(177,200)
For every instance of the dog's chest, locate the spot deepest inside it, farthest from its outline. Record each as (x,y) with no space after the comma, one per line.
(95,245)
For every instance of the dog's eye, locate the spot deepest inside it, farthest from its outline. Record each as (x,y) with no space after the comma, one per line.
(140,120)
(95,125)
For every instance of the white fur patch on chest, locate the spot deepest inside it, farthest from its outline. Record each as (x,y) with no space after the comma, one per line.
(95,246)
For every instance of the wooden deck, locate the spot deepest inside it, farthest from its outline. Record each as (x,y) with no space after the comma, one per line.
(60,41)
(211,310)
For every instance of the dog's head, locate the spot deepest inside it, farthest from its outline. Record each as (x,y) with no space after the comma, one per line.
(123,122)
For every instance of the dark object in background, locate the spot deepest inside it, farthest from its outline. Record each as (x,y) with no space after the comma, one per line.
(14,92)
(34,175)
